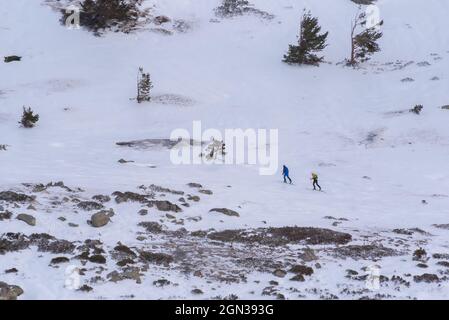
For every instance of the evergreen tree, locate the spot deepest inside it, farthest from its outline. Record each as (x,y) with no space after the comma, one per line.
(29,119)
(363,43)
(144,86)
(310,41)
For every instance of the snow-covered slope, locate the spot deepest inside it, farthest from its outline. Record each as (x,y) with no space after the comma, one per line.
(375,166)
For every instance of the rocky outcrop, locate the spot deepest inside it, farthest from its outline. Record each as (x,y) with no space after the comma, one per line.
(128,196)
(165,206)
(225,211)
(12,242)
(28,219)
(282,236)
(99,219)
(9,292)
(90,205)
(10,196)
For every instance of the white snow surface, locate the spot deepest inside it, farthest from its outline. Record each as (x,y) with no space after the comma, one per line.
(233,77)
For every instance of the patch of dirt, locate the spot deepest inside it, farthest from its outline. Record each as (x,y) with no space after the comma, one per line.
(282,236)
(365,252)
(12,242)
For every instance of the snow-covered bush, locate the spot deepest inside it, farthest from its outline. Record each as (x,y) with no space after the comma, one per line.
(101,15)
(231,8)
(29,119)
(417,109)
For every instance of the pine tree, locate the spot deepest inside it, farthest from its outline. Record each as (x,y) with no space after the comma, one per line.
(363,43)
(29,119)
(310,41)
(144,86)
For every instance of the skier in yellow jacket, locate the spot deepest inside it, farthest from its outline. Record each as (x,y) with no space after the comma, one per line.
(315,181)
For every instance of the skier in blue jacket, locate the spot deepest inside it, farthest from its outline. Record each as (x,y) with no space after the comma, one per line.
(285,173)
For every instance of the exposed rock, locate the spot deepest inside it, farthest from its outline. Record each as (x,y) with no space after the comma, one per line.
(208,192)
(28,219)
(123,252)
(59,260)
(123,161)
(101,198)
(12,270)
(422,265)
(10,196)
(197,292)
(420,255)
(408,79)
(9,59)
(143,212)
(225,211)
(426,277)
(9,292)
(99,219)
(193,198)
(121,197)
(308,255)
(279,273)
(363,2)
(409,232)
(85,288)
(161,19)
(125,262)
(423,64)
(6,215)
(443,263)
(97,258)
(165,206)
(129,273)
(350,273)
(151,226)
(301,269)
(160,189)
(158,258)
(161,283)
(444,256)
(90,205)
(298,277)
(365,252)
(169,216)
(446,107)
(442,226)
(194,185)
